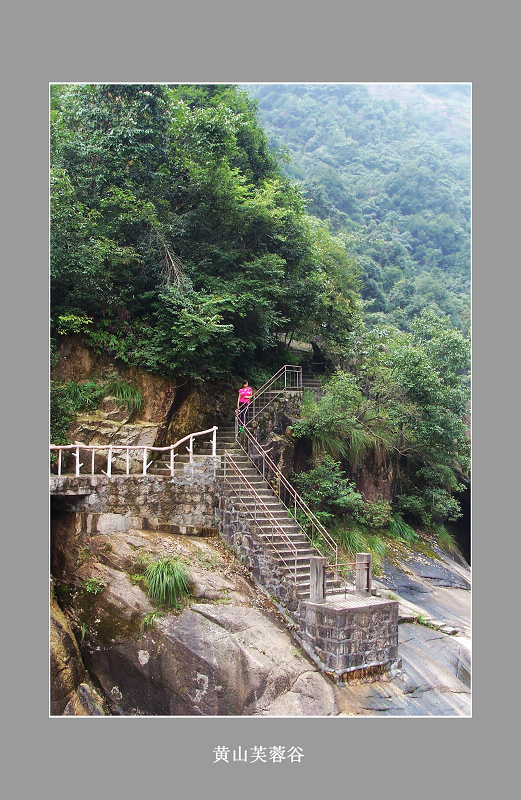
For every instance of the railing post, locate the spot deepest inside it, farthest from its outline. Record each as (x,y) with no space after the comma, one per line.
(145,460)
(191,448)
(214,442)
(364,573)
(128,460)
(317,579)
(171,462)
(109,462)
(78,465)
(60,461)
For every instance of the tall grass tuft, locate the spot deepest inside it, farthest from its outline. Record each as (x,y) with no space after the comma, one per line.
(359,442)
(352,540)
(126,394)
(398,529)
(168,581)
(446,540)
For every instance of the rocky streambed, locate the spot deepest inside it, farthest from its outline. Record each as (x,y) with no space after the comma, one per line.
(227,650)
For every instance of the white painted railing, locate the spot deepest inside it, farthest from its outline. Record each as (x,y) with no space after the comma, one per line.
(139,453)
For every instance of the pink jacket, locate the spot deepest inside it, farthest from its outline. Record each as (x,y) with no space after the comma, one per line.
(245,394)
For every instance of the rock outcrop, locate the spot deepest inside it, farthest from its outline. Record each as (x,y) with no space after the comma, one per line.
(228,653)
(72,693)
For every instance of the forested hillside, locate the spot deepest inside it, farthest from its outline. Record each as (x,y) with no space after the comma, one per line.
(176,242)
(388,166)
(180,243)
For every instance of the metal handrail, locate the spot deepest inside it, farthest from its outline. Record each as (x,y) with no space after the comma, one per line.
(297,501)
(144,448)
(357,565)
(285,370)
(288,372)
(274,525)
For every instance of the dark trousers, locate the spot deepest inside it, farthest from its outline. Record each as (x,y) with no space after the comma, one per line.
(243,408)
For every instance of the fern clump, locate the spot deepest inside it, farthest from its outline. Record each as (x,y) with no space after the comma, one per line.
(168,581)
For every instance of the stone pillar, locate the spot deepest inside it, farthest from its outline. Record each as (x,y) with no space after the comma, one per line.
(317,584)
(364,573)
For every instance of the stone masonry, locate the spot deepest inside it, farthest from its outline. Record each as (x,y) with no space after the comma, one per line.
(241,537)
(351,633)
(345,634)
(186,505)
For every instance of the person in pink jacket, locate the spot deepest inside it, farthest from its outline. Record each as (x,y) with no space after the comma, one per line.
(243,401)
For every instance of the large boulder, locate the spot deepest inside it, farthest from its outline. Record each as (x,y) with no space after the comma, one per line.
(226,651)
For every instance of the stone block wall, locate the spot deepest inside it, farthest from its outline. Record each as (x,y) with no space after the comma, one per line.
(240,535)
(187,505)
(281,412)
(354,633)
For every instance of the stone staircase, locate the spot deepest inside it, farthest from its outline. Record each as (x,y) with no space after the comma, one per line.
(161,465)
(272,521)
(312,383)
(275,540)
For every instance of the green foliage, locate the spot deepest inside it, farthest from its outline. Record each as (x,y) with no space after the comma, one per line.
(399,401)
(332,496)
(94,585)
(126,394)
(71,323)
(148,621)
(446,540)
(70,398)
(176,243)
(391,170)
(168,581)
(355,539)
(399,529)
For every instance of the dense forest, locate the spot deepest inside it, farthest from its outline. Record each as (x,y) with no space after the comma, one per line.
(388,166)
(187,241)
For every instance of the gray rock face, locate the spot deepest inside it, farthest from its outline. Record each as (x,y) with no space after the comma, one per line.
(210,660)
(71,692)
(228,651)
(434,680)
(226,654)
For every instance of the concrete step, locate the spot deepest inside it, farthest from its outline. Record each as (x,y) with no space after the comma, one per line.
(283,541)
(301,570)
(272,504)
(303,588)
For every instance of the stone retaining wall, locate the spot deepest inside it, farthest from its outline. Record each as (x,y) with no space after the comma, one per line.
(240,535)
(187,505)
(354,633)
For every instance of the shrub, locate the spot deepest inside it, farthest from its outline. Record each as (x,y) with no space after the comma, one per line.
(376,514)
